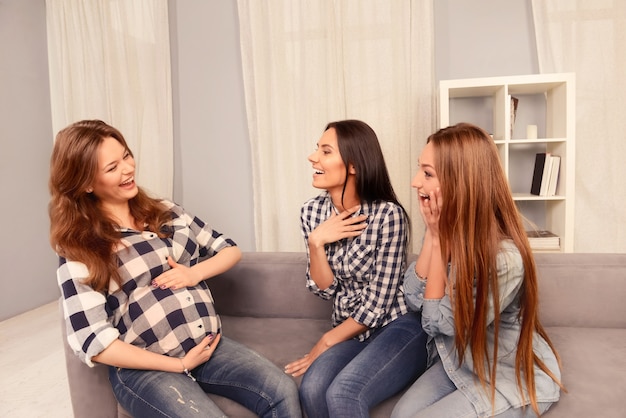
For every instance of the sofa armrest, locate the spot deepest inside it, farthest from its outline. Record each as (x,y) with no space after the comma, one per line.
(90,390)
(268,284)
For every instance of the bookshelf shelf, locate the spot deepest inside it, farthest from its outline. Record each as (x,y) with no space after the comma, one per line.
(535,141)
(528,196)
(544,100)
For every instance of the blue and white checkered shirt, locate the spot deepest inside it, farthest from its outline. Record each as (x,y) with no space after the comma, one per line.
(368,269)
(166,321)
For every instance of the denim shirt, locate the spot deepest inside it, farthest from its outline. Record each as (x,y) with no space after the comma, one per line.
(438,323)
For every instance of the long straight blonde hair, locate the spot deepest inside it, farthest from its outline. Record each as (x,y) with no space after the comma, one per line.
(478,213)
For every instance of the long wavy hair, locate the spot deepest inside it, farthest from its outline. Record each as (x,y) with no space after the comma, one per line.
(80,230)
(478,213)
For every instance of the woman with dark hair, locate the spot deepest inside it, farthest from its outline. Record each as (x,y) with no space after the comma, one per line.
(475,282)
(132,274)
(356,234)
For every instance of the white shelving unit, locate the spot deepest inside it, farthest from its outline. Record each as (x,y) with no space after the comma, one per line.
(545,100)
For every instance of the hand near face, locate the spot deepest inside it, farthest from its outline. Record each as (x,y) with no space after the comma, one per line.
(430,209)
(337,227)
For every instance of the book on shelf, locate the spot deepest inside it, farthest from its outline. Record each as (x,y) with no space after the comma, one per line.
(542,163)
(543,240)
(514,103)
(545,174)
(555,164)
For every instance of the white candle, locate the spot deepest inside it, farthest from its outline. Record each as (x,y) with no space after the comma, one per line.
(531,132)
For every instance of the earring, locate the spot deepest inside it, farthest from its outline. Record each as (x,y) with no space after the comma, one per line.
(89,190)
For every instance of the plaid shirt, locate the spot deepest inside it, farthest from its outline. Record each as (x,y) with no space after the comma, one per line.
(368,269)
(166,321)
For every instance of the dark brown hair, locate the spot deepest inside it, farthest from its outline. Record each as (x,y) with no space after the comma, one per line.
(359,147)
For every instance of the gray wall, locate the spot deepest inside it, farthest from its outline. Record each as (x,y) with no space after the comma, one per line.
(27,264)
(484,38)
(213,177)
(212,156)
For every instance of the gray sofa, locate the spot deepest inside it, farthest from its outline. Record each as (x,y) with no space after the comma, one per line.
(264,304)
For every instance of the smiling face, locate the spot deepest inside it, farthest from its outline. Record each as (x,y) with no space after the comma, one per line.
(329,168)
(114,183)
(426,180)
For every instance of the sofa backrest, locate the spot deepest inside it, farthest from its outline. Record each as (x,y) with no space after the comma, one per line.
(582,290)
(575,289)
(269,285)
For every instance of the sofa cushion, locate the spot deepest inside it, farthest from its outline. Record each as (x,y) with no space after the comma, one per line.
(273,338)
(594,360)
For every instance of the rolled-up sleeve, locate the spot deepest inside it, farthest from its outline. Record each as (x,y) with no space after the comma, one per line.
(437,317)
(413,289)
(89,330)
(305,228)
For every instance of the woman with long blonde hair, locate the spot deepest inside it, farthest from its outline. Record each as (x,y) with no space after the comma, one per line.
(475,282)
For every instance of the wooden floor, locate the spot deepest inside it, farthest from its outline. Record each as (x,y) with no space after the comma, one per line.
(33,382)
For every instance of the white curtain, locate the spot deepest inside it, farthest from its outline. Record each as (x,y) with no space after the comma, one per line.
(307,63)
(588,37)
(110,60)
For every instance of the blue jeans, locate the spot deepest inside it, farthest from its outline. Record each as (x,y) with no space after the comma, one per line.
(351,377)
(435,395)
(233,371)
